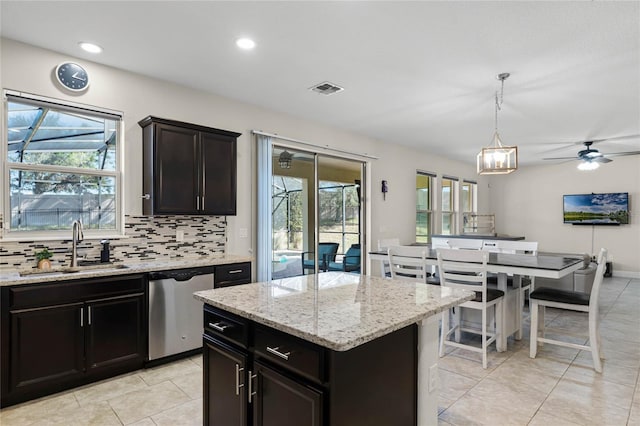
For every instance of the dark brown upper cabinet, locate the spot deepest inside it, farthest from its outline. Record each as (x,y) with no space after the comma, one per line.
(188,168)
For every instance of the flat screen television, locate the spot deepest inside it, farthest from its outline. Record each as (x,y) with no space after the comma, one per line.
(596,209)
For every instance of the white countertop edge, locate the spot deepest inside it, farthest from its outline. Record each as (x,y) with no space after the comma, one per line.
(12,278)
(340,344)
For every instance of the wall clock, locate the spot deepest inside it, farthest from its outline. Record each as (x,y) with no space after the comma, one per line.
(72,76)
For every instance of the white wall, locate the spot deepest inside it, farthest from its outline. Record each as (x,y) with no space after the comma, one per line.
(29,69)
(529,202)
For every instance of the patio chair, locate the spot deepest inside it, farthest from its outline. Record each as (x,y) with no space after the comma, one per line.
(350,260)
(326,253)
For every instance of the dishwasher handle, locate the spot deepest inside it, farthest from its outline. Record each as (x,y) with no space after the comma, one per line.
(180,274)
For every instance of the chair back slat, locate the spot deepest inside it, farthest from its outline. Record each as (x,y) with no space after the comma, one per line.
(406,262)
(466,269)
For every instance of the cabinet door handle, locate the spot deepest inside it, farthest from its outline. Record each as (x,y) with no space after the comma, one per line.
(219,326)
(88,315)
(277,352)
(251,392)
(203,202)
(197,202)
(238,384)
(235,271)
(81,317)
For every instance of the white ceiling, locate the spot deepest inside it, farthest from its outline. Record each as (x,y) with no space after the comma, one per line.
(415,73)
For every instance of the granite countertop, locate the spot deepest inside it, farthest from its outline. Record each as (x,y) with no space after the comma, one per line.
(13,277)
(335,310)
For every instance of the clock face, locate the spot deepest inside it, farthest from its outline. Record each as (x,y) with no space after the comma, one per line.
(72,76)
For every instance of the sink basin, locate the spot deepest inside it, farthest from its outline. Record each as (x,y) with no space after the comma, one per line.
(70,270)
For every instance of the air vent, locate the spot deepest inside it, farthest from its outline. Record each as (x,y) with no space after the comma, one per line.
(326,88)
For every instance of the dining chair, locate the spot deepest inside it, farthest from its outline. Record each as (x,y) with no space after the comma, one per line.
(571,300)
(383,245)
(326,253)
(408,263)
(513,247)
(467,269)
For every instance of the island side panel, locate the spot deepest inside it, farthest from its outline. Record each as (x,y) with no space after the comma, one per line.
(428,376)
(376,383)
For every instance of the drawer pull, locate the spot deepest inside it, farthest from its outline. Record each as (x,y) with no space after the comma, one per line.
(251,392)
(238,384)
(276,351)
(219,326)
(235,271)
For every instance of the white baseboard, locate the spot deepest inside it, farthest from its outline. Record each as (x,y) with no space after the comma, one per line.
(626,274)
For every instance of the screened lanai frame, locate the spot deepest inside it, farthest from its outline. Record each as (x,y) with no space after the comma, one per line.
(286,187)
(62,161)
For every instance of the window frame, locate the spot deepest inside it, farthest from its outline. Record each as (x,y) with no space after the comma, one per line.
(453,202)
(430,209)
(7,166)
(472,202)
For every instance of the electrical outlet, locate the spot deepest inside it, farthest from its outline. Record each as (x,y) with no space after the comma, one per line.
(243,232)
(179,235)
(433,377)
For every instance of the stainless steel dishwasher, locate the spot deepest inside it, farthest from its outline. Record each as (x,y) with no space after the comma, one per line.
(175,317)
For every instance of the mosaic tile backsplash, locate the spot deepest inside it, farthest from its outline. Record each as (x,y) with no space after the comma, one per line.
(147,238)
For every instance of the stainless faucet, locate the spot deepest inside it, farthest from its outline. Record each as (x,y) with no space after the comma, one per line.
(77,236)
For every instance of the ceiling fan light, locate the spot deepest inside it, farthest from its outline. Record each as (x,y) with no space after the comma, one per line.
(284,160)
(588,165)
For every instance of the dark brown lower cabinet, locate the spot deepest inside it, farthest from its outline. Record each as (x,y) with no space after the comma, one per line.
(225,372)
(256,375)
(114,329)
(281,401)
(56,336)
(47,346)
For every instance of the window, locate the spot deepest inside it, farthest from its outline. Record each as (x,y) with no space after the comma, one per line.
(468,195)
(448,204)
(424,212)
(63,165)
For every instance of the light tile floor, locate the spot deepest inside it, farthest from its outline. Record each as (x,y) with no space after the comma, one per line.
(559,387)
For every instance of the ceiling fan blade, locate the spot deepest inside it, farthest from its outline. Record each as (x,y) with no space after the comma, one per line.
(561,158)
(619,154)
(569,143)
(601,160)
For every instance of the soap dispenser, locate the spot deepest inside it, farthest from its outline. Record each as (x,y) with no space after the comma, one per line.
(104,253)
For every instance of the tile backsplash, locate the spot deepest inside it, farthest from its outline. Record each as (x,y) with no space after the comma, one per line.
(146,238)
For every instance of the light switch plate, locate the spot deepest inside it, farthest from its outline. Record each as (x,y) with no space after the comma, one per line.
(179,235)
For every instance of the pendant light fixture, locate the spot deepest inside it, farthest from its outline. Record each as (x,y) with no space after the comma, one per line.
(497,159)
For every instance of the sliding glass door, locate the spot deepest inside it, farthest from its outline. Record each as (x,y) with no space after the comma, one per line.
(316,219)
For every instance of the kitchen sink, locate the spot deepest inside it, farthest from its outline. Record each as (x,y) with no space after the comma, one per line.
(89,266)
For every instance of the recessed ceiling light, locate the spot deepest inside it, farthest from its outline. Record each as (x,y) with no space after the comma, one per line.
(245,43)
(90,47)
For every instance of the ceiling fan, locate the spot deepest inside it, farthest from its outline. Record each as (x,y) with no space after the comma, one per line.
(591,158)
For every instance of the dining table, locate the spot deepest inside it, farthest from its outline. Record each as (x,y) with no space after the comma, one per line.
(547,265)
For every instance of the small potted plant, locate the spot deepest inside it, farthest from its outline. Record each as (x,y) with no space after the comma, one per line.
(43,257)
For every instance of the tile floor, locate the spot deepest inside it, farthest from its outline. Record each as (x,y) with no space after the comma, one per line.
(559,387)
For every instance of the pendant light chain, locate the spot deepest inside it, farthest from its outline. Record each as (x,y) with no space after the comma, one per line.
(502,78)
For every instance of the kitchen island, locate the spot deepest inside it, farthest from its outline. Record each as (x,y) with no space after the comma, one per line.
(333,348)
